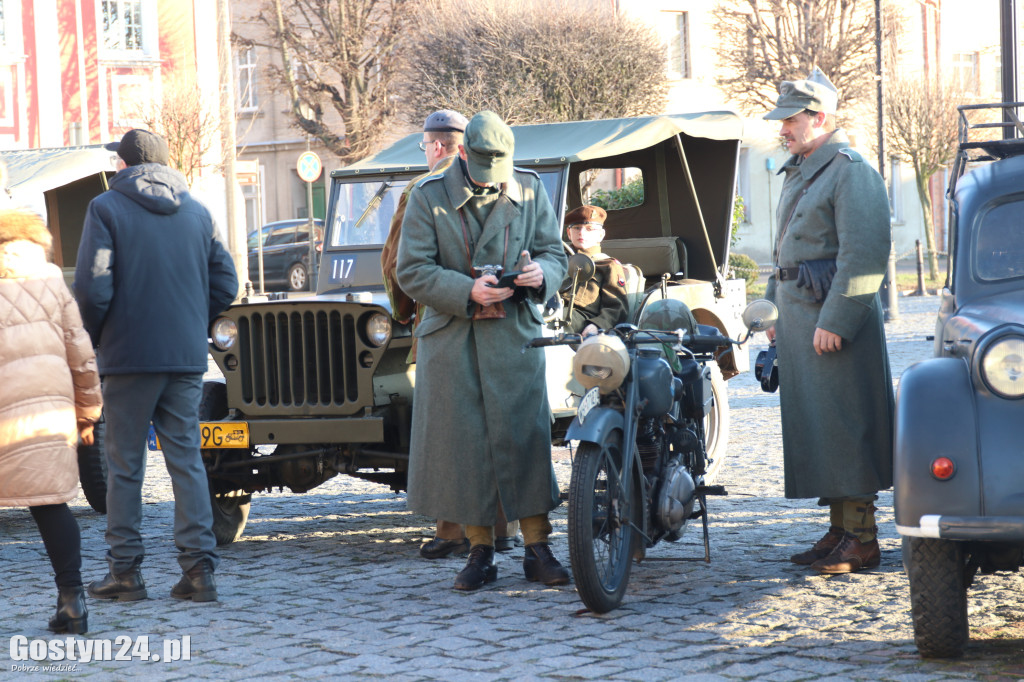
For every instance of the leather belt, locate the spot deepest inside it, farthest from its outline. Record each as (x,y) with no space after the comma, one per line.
(782,274)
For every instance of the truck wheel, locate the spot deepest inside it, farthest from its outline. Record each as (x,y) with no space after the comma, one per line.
(92,469)
(230,508)
(297,280)
(230,514)
(938,597)
(716,426)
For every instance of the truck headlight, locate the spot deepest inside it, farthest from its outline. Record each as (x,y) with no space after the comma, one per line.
(1002,366)
(378,329)
(602,360)
(224,333)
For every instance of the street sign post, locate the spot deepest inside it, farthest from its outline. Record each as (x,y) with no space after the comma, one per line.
(309,169)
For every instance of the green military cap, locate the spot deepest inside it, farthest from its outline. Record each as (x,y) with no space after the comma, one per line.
(489,145)
(814,93)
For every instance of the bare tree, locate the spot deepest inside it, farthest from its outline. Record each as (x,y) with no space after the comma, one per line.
(765,42)
(921,129)
(532,61)
(337,68)
(189,126)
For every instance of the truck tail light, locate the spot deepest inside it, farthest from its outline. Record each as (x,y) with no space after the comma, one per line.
(943,468)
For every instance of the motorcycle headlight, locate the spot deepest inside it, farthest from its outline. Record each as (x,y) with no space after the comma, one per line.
(224,333)
(602,361)
(1002,366)
(378,329)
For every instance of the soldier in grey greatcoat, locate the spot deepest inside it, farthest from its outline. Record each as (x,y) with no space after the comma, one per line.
(834,380)
(481,431)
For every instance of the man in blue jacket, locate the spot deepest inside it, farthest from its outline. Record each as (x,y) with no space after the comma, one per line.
(151,274)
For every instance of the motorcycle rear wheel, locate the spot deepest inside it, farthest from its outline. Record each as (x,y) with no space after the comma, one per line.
(601,530)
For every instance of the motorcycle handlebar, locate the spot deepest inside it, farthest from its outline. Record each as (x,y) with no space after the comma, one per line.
(699,343)
(560,340)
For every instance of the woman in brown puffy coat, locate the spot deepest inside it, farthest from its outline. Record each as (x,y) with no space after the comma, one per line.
(49,396)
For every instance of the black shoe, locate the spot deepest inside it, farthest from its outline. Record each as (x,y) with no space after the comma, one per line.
(541,566)
(479,569)
(196,583)
(72,615)
(439,548)
(127,586)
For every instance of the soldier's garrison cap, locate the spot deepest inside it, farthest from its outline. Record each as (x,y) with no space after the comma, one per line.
(585,214)
(816,93)
(489,145)
(445,121)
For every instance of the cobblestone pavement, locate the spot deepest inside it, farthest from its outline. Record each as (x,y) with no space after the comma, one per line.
(329,585)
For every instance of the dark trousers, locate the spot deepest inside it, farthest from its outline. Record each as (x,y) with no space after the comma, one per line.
(171,402)
(63,542)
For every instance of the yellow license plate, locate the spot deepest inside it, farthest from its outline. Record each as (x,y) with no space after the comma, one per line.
(224,434)
(214,435)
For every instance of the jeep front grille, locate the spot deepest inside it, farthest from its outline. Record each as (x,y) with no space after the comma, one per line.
(298,359)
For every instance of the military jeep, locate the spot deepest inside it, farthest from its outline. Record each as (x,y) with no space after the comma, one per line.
(958,470)
(318,386)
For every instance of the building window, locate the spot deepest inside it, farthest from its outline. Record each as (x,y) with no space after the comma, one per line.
(965,71)
(122,25)
(247,97)
(678,41)
(895,187)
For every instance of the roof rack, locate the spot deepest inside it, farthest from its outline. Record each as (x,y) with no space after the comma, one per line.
(1011,143)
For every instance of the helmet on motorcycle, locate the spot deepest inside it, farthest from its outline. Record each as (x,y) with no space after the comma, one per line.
(602,361)
(668,314)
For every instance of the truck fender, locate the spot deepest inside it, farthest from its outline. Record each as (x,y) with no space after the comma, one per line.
(935,416)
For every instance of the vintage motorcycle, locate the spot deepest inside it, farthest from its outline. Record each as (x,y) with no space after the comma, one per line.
(638,473)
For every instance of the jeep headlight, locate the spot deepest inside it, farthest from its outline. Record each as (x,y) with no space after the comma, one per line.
(224,333)
(1002,366)
(602,361)
(378,329)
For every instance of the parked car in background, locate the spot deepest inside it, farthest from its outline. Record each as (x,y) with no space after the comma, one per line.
(285,254)
(958,470)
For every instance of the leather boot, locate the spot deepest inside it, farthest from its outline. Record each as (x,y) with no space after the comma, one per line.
(127,586)
(197,583)
(72,615)
(541,566)
(479,569)
(821,549)
(849,556)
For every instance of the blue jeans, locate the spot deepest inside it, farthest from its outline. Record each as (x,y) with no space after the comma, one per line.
(171,402)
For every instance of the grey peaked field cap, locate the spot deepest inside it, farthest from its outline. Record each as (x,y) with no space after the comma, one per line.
(816,93)
(445,121)
(141,146)
(489,146)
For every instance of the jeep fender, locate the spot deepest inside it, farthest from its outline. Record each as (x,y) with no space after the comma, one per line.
(935,417)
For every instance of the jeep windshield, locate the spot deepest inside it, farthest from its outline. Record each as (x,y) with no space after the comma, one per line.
(363,212)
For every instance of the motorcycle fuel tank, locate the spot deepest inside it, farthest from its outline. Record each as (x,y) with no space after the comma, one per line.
(655,382)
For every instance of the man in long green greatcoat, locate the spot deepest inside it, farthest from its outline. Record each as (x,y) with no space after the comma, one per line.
(834,380)
(481,430)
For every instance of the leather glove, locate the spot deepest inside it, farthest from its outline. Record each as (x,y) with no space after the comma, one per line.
(817,275)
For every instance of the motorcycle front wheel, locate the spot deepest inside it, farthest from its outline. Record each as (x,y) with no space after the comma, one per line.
(601,530)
